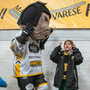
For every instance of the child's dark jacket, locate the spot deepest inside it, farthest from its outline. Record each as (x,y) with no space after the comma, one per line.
(57,56)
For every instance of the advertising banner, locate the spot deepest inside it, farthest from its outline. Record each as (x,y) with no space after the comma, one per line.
(66,14)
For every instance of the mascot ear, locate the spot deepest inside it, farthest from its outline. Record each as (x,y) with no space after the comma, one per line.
(41,2)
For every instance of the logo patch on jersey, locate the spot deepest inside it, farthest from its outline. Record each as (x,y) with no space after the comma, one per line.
(33,48)
(35,63)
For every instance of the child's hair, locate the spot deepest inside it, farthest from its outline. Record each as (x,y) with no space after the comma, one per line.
(69,41)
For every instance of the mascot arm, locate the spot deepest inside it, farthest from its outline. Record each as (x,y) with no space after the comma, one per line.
(16,47)
(25,33)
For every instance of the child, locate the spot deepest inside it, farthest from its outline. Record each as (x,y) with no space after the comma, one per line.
(28,44)
(66,77)
(2,83)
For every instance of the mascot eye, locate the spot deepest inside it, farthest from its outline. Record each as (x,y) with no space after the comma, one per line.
(46,19)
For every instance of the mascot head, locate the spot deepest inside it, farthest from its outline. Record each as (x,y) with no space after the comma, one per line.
(38,15)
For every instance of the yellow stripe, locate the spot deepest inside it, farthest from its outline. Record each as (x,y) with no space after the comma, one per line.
(43,84)
(64,76)
(66,54)
(17,69)
(17,66)
(27,75)
(65,66)
(12,45)
(18,54)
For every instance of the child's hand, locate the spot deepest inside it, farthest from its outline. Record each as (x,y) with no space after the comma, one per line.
(60,44)
(74,45)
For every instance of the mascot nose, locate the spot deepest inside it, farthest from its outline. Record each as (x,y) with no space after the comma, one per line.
(51,30)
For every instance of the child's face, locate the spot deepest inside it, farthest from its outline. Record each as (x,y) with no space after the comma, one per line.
(68,46)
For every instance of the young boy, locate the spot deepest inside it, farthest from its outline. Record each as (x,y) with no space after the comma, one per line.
(66,77)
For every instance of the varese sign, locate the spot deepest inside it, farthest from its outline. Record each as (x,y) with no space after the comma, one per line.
(70,14)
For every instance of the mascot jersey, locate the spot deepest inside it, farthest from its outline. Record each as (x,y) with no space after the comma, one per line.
(27,57)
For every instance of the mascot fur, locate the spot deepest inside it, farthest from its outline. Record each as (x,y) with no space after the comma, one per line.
(28,44)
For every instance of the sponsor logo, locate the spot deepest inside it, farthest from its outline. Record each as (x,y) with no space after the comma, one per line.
(16,11)
(68,11)
(35,63)
(64,12)
(33,48)
(35,57)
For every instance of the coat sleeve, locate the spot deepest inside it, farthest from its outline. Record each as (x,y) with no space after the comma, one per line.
(77,56)
(55,55)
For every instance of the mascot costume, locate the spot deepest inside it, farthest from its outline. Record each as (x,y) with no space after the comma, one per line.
(28,44)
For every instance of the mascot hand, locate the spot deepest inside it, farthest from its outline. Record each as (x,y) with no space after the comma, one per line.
(28,29)
(25,33)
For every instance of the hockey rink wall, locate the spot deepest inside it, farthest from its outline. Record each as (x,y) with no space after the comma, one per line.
(81,39)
